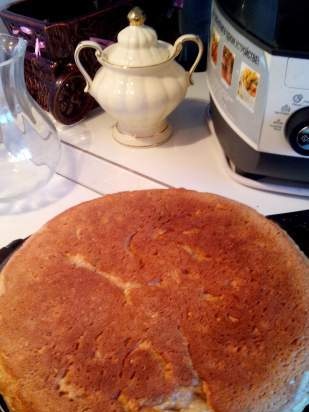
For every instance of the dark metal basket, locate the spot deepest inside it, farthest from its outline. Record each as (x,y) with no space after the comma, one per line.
(53,30)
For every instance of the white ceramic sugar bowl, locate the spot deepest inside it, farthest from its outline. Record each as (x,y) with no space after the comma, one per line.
(139,83)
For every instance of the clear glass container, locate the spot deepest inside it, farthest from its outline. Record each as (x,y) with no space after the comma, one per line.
(29,145)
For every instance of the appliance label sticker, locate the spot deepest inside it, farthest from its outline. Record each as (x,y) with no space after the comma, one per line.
(237,77)
(248,84)
(244,50)
(215,40)
(227,65)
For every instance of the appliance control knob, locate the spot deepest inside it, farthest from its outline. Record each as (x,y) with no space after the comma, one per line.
(297,131)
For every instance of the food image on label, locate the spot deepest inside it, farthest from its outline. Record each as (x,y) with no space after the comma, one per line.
(227,65)
(215,39)
(248,85)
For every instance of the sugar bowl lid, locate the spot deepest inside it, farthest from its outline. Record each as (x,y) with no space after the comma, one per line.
(138,44)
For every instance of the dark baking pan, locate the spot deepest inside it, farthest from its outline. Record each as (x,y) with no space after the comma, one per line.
(296,224)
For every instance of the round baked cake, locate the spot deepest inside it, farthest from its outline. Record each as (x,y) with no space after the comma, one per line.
(159,300)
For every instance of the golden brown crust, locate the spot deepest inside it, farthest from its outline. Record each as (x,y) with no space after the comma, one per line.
(121,303)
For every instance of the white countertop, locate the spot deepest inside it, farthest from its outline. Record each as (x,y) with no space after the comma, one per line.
(93,163)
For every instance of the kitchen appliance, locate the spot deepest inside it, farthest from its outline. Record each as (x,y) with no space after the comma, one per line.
(258,78)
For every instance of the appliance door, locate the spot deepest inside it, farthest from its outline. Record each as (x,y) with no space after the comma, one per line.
(282,25)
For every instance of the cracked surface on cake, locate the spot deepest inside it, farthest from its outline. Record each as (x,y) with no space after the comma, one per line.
(163,300)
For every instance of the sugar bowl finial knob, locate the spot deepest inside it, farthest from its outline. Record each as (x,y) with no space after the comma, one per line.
(136,17)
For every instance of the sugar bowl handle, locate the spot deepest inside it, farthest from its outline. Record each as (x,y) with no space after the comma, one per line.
(98,54)
(178,48)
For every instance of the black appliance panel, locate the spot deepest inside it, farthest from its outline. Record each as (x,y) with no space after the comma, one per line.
(280,24)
